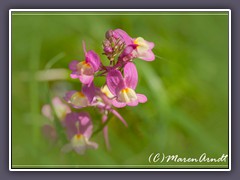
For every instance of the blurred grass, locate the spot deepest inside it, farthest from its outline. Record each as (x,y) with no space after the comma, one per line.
(186,86)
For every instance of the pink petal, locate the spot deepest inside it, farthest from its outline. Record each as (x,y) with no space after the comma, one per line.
(126,55)
(119,117)
(74,75)
(86,125)
(115,81)
(118,104)
(133,103)
(93,59)
(73,65)
(90,91)
(130,75)
(124,36)
(47,111)
(142,98)
(151,45)
(148,56)
(86,79)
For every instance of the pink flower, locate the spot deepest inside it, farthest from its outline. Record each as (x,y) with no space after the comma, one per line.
(123,88)
(85,70)
(80,99)
(61,110)
(59,107)
(136,47)
(79,130)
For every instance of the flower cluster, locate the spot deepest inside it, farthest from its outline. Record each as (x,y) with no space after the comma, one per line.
(118,91)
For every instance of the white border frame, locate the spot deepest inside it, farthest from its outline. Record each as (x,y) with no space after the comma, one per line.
(120,10)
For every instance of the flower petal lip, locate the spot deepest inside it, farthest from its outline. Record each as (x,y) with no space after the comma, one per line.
(115,82)
(147,56)
(131,75)
(118,104)
(142,98)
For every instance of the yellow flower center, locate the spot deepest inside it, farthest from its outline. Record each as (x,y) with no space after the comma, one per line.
(85,68)
(79,99)
(106,91)
(142,45)
(127,95)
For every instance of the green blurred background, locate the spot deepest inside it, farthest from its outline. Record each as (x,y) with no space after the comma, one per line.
(187,87)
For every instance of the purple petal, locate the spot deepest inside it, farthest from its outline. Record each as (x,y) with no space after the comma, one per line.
(119,117)
(142,98)
(73,65)
(93,59)
(115,82)
(124,36)
(86,79)
(130,75)
(89,91)
(118,104)
(126,55)
(84,127)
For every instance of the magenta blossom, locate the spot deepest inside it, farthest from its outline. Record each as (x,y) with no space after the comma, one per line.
(85,70)
(79,130)
(123,88)
(136,47)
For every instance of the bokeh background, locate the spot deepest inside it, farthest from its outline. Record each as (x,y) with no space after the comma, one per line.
(187,87)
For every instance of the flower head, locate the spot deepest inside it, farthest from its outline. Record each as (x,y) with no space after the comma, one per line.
(79,131)
(135,47)
(85,70)
(124,87)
